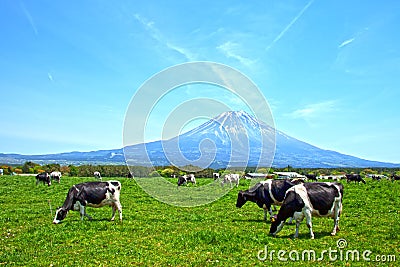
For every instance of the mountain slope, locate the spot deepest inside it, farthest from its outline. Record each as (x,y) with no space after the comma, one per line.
(230,139)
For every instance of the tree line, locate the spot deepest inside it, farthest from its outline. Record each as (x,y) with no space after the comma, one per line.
(30,167)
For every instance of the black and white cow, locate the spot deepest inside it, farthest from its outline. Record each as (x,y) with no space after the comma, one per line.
(354,177)
(311,177)
(56,176)
(182,180)
(216,175)
(92,194)
(394,177)
(307,200)
(266,193)
(232,178)
(97,175)
(43,177)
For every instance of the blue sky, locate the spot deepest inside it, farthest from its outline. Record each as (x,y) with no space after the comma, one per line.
(329,69)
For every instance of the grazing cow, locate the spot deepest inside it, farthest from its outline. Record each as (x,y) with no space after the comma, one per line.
(305,200)
(354,177)
(182,180)
(216,175)
(311,177)
(231,178)
(97,175)
(43,177)
(92,194)
(56,176)
(129,175)
(376,177)
(1,171)
(395,177)
(266,193)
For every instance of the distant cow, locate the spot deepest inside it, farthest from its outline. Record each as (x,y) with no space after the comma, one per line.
(43,177)
(376,177)
(306,200)
(354,177)
(231,178)
(97,175)
(182,180)
(129,175)
(395,177)
(216,175)
(1,171)
(266,193)
(92,194)
(56,176)
(311,177)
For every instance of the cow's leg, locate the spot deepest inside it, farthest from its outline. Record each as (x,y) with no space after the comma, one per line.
(114,209)
(116,206)
(290,220)
(82,211)
(119,207)
(298,216)
(309,223)
(336,218)
(270,213)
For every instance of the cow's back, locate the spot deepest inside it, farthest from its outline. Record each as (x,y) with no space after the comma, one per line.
(97,194)
(323,196)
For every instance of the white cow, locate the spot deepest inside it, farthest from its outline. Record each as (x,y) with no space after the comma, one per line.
(56,176)
(1,171)
(231,178)
(97,175)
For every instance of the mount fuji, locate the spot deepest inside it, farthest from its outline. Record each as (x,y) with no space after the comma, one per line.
(231,139)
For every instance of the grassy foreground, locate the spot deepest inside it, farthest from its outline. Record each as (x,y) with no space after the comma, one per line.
(219,234)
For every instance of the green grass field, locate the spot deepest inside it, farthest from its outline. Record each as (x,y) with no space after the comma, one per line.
(218,234)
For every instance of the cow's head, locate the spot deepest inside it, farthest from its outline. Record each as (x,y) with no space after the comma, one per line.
(241,199)
(276,225)
(61,213)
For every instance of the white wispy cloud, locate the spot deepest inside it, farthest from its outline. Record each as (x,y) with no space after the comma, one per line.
(346,42)
(159,37)
(314,110)
(30,18)
(230,50)
(50,76)
(293,21)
